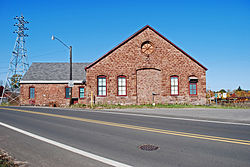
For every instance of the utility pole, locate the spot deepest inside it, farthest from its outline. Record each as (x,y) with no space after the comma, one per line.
(18,65)
(70,53)
(71,83)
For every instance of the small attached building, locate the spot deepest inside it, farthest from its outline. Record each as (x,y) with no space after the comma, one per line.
(46,84)
(144,69)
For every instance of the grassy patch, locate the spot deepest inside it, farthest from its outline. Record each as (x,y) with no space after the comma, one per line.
(4,104)
(78,106)
(7,161)
(118,106)
(9,104)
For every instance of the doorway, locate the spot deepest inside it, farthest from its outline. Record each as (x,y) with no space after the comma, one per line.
(148,83)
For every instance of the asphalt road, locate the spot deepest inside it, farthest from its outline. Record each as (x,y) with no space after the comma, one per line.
(117,137)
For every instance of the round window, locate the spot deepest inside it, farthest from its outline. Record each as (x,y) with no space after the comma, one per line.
(147,47)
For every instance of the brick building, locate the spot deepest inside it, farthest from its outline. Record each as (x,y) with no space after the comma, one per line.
(46,84)
(145,68)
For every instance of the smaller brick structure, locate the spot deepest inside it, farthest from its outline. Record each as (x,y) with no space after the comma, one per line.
(47,94)
(46,84)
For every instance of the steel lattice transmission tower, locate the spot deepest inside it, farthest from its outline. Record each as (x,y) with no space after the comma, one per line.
(18,63)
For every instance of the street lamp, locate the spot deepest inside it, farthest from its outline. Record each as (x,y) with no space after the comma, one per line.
(70,70)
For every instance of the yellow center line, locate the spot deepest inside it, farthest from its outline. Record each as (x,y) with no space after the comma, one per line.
(141,128)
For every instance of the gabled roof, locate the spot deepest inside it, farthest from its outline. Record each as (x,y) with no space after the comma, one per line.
(54,72)
(135,34)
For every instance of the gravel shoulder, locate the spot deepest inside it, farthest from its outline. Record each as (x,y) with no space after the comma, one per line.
(33,153)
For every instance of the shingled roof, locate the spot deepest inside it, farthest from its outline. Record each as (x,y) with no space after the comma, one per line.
(54,72)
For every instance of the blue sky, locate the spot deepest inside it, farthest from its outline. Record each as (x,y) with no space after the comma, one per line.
(216,33)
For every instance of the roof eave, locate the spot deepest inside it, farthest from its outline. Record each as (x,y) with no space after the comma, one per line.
(135,34)
(50,81)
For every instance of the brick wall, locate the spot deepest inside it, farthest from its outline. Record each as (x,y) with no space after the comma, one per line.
(48,94)
(128,60)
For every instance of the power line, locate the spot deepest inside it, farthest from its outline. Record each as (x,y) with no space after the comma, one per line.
(48,53)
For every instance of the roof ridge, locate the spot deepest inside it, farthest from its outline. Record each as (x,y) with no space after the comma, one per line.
(55,71)
(60,63)
(135,34)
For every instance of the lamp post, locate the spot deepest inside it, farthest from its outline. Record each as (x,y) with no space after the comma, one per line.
(70,70)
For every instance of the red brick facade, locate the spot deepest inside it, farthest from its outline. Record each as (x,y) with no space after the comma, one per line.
(147,74)
(48,94)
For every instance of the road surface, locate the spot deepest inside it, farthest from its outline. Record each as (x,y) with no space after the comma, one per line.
(117,137)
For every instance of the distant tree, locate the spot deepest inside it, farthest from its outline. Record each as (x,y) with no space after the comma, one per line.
(240,93)
(209,93)
(248,93)
(239,89)
(15,80)
(229,93)
(222,91)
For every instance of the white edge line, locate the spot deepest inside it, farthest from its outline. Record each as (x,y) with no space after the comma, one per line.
(69,148)
(166,117)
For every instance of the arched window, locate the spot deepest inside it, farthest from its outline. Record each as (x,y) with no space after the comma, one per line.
(101,86)
(122,86)
(147,47)
(174,82)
